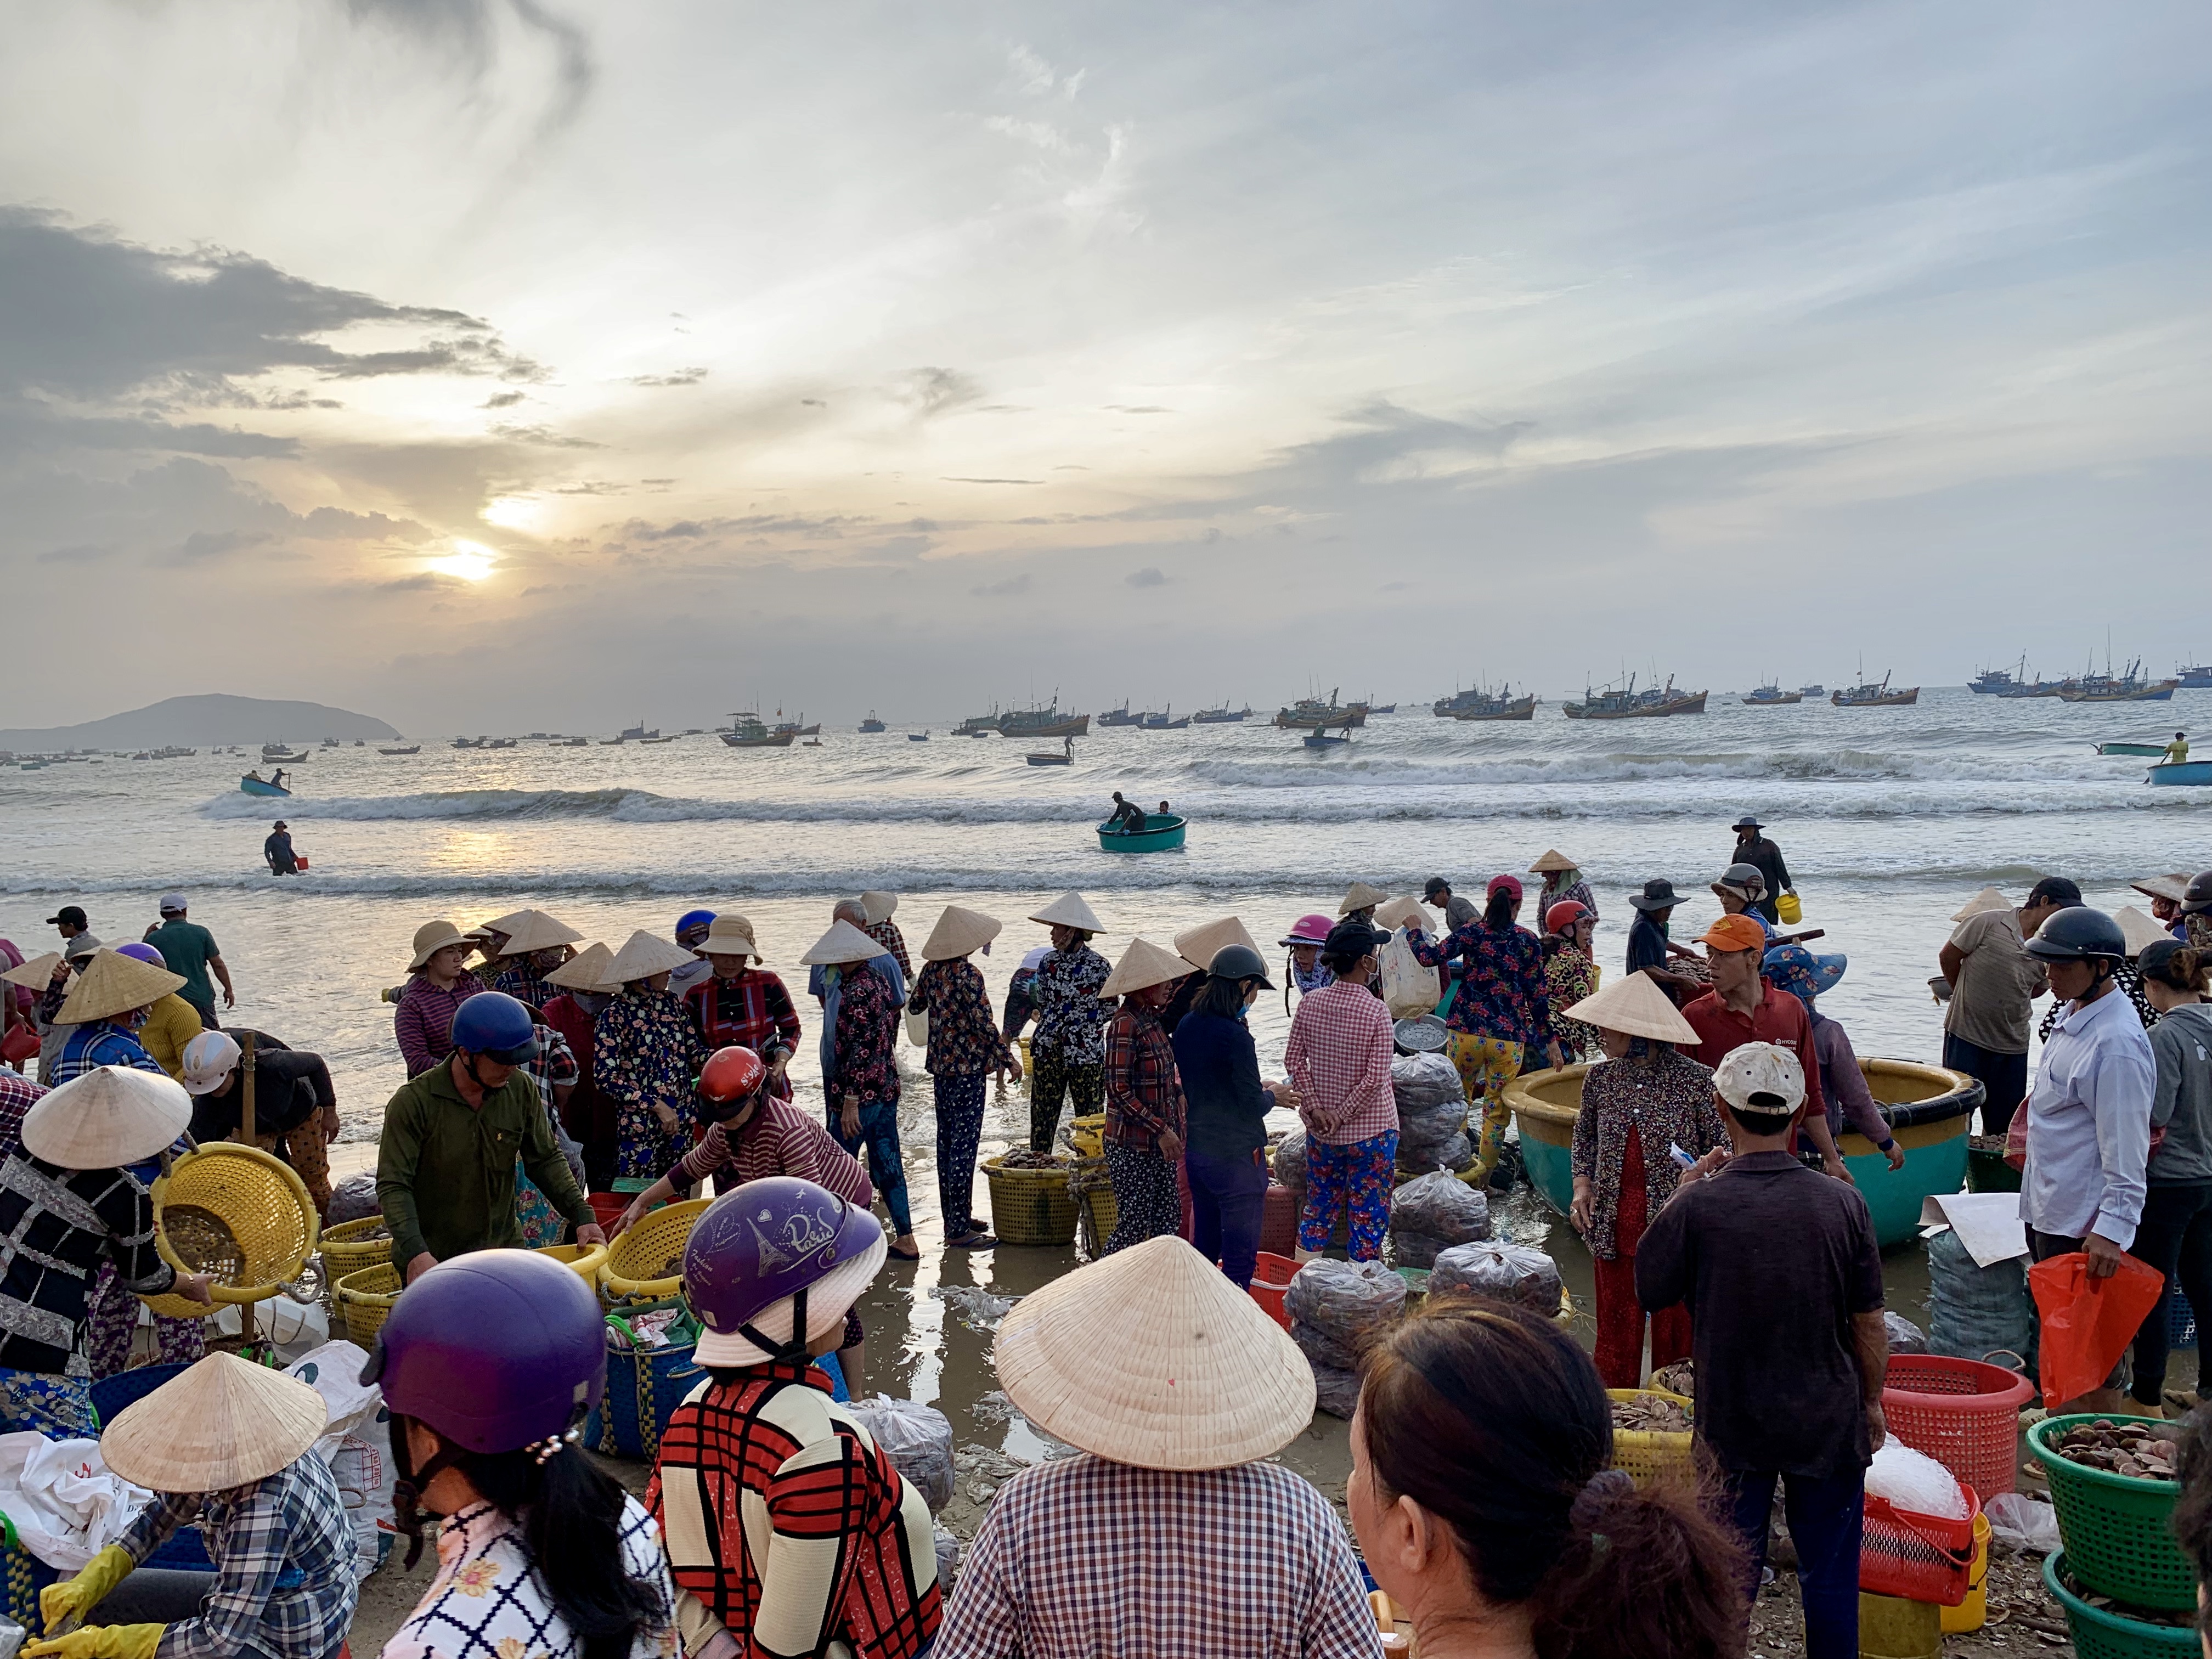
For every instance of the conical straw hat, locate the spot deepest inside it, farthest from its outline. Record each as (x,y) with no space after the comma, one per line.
(842,943)
(113,983)
(2138,929)
(1143,964)
(1402,913)
(1553,860)
(1152,1358)
(877,905)
(1636,1006)
(644,956)
(585,971)
(110,1116)
(1069,910)
(534,930)
(505,923)
(2173,887)
(1359,897)
(432,936)
(1988,899)
(226,1422)
(1199,945)
(38,973)
(958,932)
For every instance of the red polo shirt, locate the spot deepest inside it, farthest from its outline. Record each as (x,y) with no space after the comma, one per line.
(1779,1018)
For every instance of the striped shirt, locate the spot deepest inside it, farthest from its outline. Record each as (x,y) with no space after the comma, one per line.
(1080,1558)
(1339,1059)
(424,1021)
(777,1139)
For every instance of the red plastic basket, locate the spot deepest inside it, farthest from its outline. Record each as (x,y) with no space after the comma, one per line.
(1963,1413)
(607,1207)
(1279,1220)
(1921,1557)
(1271,1279)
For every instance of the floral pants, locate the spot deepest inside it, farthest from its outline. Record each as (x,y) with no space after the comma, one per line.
(644,1150)
(959,1132)
(1486,1065)
(1084,1085)
(1354,1180)
(1147,1202)
(113,1315)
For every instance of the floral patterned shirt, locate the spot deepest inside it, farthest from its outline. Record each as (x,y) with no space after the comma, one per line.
(1071,1019)
(1669,1101)
(864,1038)
(963,1037)
(1501,975)
(1568,977)
(488,1600)
(646,1050)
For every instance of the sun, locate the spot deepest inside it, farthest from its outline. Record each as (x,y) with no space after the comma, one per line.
(472,561)
(514,513)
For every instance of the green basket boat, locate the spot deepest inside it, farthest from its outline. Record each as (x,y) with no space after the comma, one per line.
(1161,834)
(1928,1106)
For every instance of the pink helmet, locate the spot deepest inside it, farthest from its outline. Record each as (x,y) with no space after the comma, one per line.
(1308,929)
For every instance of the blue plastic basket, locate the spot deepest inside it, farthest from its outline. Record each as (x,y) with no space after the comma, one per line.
(2180,1318)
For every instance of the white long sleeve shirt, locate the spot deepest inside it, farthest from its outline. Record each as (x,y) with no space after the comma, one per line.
(2088,1125)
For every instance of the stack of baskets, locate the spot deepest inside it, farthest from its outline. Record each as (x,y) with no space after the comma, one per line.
(1648,1456)
(1031,1206)
(2117,1537)
(258,1201)
(365,1298)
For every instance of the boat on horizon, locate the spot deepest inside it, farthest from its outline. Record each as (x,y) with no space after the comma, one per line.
(2130,687)
(872,724)
(1121,716)
(746,731)
(1314,711)
(1045,722)
(1224,715)
(1876,696)
(637,733)
(1161,722)
(979,726)
(2198,678)
(796,728)
(411,749)
(922,736)
(1771,696)
(1816,690)
(1481,703)
(1653,702)
(1996,681)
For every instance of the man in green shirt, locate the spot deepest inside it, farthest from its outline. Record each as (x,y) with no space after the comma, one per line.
(445,1169)
(190,950)
(2176,752)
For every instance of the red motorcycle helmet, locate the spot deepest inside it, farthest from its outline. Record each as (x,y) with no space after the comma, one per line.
(1565,914)
(730,1077)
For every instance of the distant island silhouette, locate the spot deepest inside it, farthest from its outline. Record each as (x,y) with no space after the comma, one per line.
(215,718)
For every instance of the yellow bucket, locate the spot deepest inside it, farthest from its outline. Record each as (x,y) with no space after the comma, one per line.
(1891,1627)
(1788,910)
(1088,1135)
(1973,1613)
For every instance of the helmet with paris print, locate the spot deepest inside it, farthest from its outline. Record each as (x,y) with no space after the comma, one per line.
(729,1080)
(772,1266)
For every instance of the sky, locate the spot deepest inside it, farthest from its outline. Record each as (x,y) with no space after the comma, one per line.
(569,363)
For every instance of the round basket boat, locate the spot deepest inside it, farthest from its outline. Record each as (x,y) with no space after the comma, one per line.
(1928,1109)
(255,1224)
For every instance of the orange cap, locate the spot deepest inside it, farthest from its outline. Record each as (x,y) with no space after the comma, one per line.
(1737,932)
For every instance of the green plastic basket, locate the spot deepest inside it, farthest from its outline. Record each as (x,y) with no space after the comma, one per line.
(2118,1531)
(2100,1634)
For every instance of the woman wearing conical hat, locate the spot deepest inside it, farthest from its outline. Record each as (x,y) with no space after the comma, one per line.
(106,1008)
(537,945)
(228,1445)
(1642,1101)
(645,1053)
(1144,1108)
(965,1047)
(1069,1053)
(1562,881)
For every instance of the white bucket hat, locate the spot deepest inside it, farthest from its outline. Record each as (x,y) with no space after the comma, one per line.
(432,936)
(729,935)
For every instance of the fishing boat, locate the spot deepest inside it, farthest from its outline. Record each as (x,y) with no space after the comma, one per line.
(872,724)
(979,726)
(917,737)
(667,740)
(796,729)
(1224,715)
(1995,681)
(574,742)
(746,731)
(2148,751)
(1121,716)
(1815,690)
(1314,711)
(411,749)
(498,743)
(1046,757)
(254,784)
(2198,678)
(2130,687)
(1162,832)
(1653,702)
(2181,772)
(1876,696)
(638,733)
(1160,722)
(278,756)
(1772,697)
(1483,704)
(1045,722)
(330,743)
(812,743)
(1318,738)
(1928,1109)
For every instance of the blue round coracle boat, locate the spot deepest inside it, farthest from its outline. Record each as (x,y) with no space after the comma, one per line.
(1162,833)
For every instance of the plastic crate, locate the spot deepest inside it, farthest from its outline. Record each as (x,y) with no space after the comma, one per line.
(1919,1558)
(2100,1634)
(2118,1531)
(1271,1281)
(1647,1455)
(1963,1413)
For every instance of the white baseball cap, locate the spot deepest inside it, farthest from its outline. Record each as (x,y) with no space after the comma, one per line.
(1762,1079)
(207,1059)
(172,903)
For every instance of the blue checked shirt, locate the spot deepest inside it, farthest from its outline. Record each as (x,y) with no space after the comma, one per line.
(283,1555)
(97,1043)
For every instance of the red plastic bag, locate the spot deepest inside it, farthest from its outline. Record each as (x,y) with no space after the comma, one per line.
(2087,1323)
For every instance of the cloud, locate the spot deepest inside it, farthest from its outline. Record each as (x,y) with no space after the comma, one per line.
(82,553)
(1150,576)
(503,400)
(215,544)
(678,377)
(1008,588)
(544,437)
(932,392)
(995,481)
(468,32)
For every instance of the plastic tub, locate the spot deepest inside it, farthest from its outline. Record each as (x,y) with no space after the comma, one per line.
(1271,1279)
(2100,1634)
(1963,1413)
(2118,1531)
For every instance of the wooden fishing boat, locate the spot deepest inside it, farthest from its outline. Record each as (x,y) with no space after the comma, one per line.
(1876,696)
(746,731)
(1653,702)
(917,737)
(872,724)
(2181,772)
(1224,715)
(280,759)
(1121,716)
(1162,833)
(1928,1109)
(1314,711)
(1485,704)
(1160,722)
(2195,679)
(2130,687)
(1772,697)
(1045,722)
(253,785)
(798,729)
(2149,751)
(411,749)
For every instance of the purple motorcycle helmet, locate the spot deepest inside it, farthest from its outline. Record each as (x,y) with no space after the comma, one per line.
(496,1350)
(774,1264)
(145,953)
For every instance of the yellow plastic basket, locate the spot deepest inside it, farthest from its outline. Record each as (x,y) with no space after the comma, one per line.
(346,1250)
(366,1296)
(1031,1207)
(639,1264)
(585,1260)
(1648,1456)
(263,1204)
(1088,1135)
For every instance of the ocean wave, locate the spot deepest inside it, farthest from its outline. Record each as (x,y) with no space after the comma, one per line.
(1840,765)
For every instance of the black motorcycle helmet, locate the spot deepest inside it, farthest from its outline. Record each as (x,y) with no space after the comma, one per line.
(2079,935)
(2199,894)
(1234,961)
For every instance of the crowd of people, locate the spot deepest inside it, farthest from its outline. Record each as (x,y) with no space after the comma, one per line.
(1708,1184)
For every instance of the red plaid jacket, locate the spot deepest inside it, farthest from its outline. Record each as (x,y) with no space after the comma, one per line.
(1143,1096)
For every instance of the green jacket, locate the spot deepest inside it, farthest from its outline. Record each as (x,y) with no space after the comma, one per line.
(445,1171)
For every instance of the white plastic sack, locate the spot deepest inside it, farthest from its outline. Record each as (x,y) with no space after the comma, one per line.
(2020,1523)
(1409,985)
(1442,1207)
(1913,1480)
(917,1438)
(356,1443)
(294,1329)
(66,1506)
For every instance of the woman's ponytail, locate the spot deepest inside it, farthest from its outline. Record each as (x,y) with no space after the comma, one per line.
(1497,914)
